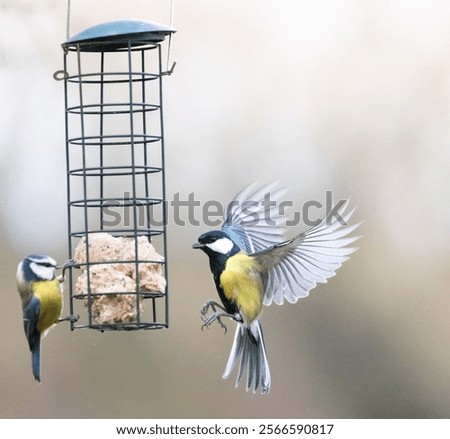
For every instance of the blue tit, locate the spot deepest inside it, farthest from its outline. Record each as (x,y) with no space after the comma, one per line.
(42,302)
(253,265)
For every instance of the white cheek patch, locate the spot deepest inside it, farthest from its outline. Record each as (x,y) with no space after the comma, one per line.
(44,273)
(222,245)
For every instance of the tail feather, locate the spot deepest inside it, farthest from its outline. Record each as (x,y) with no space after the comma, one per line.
(36,359)
(248,347)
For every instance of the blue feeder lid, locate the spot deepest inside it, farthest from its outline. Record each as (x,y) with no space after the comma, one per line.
(118,34)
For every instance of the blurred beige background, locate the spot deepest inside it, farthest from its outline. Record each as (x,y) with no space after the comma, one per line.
(349,96)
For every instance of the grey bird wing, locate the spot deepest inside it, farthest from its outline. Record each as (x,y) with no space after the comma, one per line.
(253,221)
(26,292)
(292,268)
(31,314)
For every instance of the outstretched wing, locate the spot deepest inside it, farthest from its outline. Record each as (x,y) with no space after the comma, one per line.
(254,220)
(292,268)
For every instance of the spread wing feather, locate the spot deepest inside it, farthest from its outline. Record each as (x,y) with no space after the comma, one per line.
(251,222)
(292,268)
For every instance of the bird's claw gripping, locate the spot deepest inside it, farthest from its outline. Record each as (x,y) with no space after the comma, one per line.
(68,264)
(71,319)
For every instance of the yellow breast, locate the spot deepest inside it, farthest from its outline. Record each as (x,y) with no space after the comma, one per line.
(241,283)
(50,297)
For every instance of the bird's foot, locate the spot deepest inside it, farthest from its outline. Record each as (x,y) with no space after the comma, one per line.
(210,304)
(218,311)
(68,264)
(71,319)
(216,315)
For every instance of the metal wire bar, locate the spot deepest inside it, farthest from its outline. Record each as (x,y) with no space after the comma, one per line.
(163,164)
(116,108)
(133,184)
(69,216)
(83,145)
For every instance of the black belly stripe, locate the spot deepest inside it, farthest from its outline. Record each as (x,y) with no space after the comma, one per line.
(229,305)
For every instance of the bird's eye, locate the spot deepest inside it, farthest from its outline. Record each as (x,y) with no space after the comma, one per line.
(47,264)
(211,239)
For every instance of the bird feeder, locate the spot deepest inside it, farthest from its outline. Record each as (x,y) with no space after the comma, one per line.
(116,190)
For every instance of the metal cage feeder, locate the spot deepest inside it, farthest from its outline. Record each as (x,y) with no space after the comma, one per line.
(116,194)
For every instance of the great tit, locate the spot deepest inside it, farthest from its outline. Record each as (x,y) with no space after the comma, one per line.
(42,301)
(252,265)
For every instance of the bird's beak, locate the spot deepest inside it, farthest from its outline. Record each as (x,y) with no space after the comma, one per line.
(197,245)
